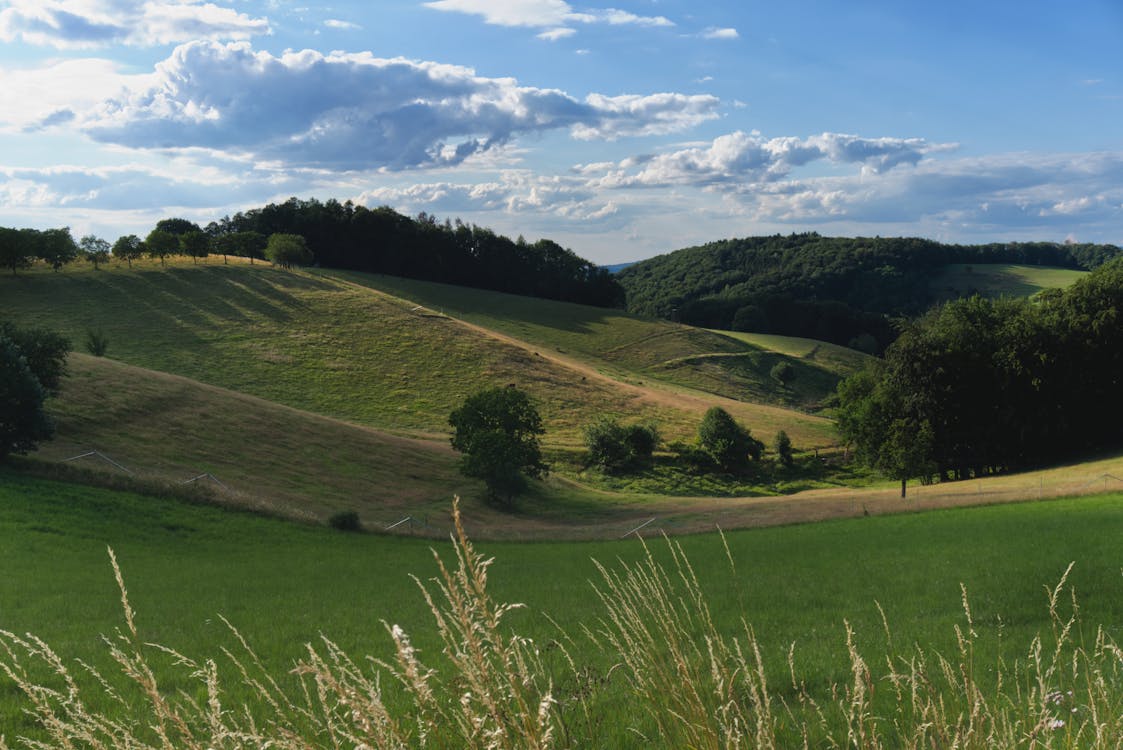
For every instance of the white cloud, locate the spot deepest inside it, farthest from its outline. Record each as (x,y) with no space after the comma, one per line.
(95,23)
(52,94)
(716,33)
(357,112)
(741,157)
(335,23)
(549,14)
(553,35)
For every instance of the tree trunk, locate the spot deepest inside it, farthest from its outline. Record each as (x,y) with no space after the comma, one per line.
(904,482)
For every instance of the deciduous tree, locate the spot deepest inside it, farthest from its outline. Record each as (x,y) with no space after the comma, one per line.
(497,431)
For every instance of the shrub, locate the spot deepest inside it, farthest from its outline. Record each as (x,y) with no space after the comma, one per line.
(783,372)
(614,447)
(96,342)
(783,448)
(345,520)
(730,444)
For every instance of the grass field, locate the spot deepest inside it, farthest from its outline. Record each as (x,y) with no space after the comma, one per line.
(999,279)
(728,364)
(284,584)
(344,351)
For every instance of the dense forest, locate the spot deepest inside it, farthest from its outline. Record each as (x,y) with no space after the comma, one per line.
(842,290)
(980,386)
(381,240)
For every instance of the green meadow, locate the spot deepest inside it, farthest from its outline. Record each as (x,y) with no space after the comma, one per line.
(284,584)
(999,279)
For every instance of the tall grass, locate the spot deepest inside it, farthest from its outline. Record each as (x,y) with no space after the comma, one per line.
(690,683)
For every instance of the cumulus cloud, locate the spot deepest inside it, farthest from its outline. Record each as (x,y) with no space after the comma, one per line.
(512,192)
(553,35)
(94,23)
(548,14)
(355,111)
(741,157)
(52,94)
(126,188)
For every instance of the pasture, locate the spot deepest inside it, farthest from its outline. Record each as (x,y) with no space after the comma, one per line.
(284,584)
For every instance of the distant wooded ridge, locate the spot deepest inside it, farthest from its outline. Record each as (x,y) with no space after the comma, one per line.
(381,240)
(838,289)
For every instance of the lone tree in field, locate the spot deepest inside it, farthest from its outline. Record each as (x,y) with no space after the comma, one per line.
(497,431)
(161,244)
(288,250)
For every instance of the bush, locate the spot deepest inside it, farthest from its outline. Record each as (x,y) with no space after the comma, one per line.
(607,444)
(728,443)
(345,520)
(96,342)
(642,440)
(783,448)
(783,372)
(614,447)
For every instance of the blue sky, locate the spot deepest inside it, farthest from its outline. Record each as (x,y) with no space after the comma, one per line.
(621,129)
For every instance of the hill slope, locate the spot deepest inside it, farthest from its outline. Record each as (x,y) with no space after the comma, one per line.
(342,350)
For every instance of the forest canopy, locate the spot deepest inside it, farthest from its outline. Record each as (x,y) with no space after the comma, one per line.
(838,289)
(381,240)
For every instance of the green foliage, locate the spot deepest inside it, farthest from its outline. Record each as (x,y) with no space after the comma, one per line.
(128,248)
(345,520)
(177,227)
(381,240)
(94,249)
(97,343)
(160,244)
(497,431)
(729,444)
(981,386)
(288,250)
(829,288)
(783,373)
(23,420)
(614,447)
(56,247)
(44,351)
(195,244)
(15,249)
(783,447)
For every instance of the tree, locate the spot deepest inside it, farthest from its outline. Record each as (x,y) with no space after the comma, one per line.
(95,249)
(44,352)
(783,372)
(497,431)
(195,244)
(730,444)
(783,448)
(606,441)
(15,250)
(57,247)
(23,421)
(177,227)
(32,362)
(288,250)
(128,247)
(161,244)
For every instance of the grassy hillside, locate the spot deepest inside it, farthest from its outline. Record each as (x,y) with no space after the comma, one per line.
(186,564)
(346,351)
(631,347)
(999,279)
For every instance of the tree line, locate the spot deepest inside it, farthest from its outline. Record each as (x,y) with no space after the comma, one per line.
(837,289)
(381,240)
(981,386)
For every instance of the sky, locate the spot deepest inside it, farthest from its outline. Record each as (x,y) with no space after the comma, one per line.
(621,130)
